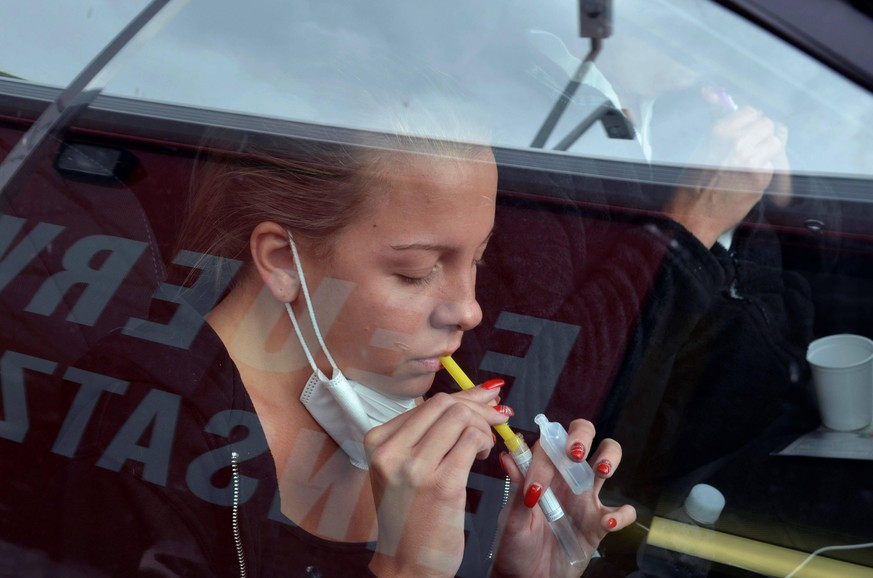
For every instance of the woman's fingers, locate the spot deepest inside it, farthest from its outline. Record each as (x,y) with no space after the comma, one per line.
(539,476)
(459,427)
(580,436)
(430,432)
(619,518)
(419,465)
(485,398)
(526,533)
(419,420)
(509,467)
(542,471)
(605,461)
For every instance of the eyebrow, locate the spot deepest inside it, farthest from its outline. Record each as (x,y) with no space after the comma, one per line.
(434,247)
(420,247)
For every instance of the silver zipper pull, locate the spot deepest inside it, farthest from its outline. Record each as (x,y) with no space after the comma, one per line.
(237,535)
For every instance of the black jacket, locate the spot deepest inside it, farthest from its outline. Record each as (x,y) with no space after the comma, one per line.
(171,476)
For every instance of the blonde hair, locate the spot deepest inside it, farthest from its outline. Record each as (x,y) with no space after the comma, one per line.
(313,191)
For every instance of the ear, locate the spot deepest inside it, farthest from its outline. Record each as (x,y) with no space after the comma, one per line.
(272,258)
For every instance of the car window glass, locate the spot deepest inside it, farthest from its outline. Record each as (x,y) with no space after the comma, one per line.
(48,43)
(328,64)
(602,296)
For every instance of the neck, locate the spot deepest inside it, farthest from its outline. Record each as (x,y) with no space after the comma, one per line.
(255,330)
(320,490)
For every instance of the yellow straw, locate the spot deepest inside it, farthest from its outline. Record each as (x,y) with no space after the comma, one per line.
(509,437)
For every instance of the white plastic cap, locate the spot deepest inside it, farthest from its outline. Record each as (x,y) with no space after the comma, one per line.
(704,504)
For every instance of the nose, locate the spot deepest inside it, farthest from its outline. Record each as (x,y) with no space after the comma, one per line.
(459,309)
(469,314)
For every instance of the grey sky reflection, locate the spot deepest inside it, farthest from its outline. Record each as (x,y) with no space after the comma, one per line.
(331,62)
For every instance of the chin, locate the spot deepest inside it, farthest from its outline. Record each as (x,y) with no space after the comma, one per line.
(414,386)
(409,385)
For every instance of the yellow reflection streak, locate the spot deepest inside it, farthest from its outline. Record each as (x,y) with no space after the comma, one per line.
(745,553)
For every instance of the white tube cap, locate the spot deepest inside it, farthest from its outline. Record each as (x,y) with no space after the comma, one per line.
(704,504)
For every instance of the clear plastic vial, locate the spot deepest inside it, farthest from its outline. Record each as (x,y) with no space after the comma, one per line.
(553,439)
(558,520)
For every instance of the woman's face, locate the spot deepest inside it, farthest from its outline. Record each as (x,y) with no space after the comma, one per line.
(409,269)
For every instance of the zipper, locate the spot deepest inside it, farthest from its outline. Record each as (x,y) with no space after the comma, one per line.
(237,535)
(505,499)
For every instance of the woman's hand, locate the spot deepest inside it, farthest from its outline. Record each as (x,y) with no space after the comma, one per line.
(527,546)
(419,465)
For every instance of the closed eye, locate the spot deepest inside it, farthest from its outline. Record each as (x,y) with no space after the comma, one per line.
(416,280)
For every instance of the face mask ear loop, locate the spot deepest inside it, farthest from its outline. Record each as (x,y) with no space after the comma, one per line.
(308,301)
(300,337)
(339,388)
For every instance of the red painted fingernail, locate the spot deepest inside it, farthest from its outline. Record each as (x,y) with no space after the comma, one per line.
(493,384)
(604,467)
(577,452)
(505,410)
(532,496)
(612,523)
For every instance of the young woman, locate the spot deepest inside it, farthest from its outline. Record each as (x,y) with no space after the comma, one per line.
(303,444)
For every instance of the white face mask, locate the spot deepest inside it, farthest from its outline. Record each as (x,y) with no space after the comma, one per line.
(346,409)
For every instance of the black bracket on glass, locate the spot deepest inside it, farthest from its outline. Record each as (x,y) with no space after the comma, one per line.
(595,22)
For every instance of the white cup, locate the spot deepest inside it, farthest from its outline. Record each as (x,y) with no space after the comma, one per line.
(842,369)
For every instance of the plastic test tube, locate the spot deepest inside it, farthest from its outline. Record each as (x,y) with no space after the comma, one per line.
(521,454)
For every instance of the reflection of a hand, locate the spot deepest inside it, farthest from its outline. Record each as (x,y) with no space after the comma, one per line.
(746,149)
(780,189)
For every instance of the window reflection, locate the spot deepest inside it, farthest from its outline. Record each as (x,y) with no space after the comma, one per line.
(47,43)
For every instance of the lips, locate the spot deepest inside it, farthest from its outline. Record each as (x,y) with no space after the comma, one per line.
(432,364)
